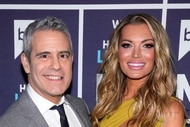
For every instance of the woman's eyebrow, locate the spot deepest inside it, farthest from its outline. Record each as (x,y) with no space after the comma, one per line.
(148,40)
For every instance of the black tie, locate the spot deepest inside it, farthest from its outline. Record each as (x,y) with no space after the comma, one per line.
(63,118)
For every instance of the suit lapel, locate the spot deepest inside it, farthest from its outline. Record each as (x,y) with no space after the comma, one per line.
(31,112)
(78,112)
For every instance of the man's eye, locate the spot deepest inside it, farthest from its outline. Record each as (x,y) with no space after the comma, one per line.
(66,55)
(149,45)
(126,45)
(43,56)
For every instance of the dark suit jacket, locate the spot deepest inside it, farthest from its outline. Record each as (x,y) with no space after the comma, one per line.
(24,113)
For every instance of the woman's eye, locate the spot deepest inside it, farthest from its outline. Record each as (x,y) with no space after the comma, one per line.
(149,45)
(126,45)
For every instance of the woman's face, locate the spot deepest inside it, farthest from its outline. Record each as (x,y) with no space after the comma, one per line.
(136,51)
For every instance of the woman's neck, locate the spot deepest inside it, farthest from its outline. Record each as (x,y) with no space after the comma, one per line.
(132,87)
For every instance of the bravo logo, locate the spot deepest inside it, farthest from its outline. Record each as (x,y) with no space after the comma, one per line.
(19,27)
(184,42)
(183,87)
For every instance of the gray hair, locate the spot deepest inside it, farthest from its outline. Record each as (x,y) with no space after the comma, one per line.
(48,23)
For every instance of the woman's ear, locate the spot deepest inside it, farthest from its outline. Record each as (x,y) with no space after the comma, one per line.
(25,63)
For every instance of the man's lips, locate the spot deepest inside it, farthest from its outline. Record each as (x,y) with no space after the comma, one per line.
(53,77)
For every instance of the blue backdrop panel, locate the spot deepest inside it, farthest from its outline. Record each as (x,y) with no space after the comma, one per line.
(77,1)
(182,63)
(178,1)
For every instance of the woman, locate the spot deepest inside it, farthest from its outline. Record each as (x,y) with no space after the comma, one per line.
(138,82)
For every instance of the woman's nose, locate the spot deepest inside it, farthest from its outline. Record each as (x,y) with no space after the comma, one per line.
(136,52)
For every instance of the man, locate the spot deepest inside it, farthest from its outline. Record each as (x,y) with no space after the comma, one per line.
(47,59)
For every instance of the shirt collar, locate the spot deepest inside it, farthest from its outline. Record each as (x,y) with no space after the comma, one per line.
(43,104)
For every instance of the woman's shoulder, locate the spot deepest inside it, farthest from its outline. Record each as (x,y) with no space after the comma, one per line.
(175,113)
(175,105)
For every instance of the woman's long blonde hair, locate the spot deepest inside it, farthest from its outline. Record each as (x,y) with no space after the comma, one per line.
(155,93)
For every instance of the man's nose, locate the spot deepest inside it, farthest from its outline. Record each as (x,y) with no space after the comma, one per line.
(55,63)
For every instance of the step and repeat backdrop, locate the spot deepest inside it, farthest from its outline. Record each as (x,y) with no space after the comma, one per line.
(90,24)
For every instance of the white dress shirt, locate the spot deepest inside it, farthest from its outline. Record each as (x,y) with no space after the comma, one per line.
(52,117)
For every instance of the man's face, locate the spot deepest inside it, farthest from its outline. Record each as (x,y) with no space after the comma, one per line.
(50,70)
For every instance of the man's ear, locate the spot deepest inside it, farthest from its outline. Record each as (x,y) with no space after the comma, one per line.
(25,63)
(72,57)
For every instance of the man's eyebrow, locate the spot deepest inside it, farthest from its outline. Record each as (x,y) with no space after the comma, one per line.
(42,53)
(68,52)
(46,52)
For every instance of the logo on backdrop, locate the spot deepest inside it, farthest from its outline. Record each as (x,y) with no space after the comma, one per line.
(184,41)
(101,52)
(105,43)
(22,88)
(19,27)
(183,86)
